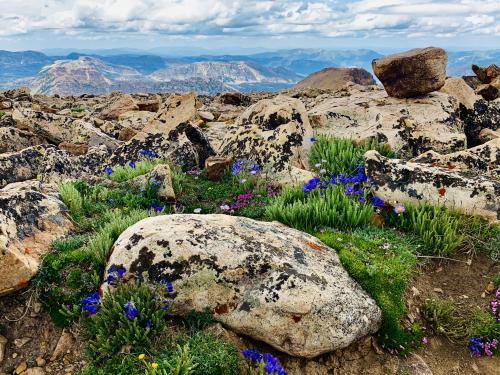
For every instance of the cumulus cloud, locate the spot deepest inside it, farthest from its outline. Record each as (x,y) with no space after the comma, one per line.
(274,18)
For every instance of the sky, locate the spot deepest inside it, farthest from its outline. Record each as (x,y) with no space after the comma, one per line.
(237,25)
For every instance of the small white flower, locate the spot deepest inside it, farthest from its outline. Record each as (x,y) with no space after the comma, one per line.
(318,165)
(323,161)
(386,246)
(197,210)
(323,171)
(253,172)
(225,207)
(243,181)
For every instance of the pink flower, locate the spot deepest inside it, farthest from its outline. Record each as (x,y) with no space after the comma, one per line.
(424,340)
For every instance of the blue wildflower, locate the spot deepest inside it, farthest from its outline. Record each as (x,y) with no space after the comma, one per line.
(110,201)
(333,180)
(254,169)
(236,167)
(311,184)
(131,311)
(362,200)
(120,271)
(312,139)
(132,164)
(166,304)
(147,154)
(108,170)
(156,207)
(475,346)
(168,286)
(148,323)
(343,179)
(91,303)
(349,190)
(252,355)
(359,192)
(110,279)
(272,365)
(377,202)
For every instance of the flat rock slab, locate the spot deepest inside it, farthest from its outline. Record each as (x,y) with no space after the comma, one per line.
(260,279)
(402,181)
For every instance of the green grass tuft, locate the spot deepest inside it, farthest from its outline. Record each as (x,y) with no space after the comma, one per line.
(311,212)
(125,173)
(72,198)
(436,226)
(341,155)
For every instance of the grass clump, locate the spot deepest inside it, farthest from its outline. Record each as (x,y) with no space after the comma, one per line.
(480,236)
(436,226)
(315,210)
(133,316)
(99,245)
(2,114)
(72,198)
(442,317)
(127,172)
(382,262)
(342,155)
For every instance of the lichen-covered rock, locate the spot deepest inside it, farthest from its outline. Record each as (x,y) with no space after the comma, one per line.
(401,181)
(412,73)
(483,115)
(29,221)
(115,105)
(46,163)
(260,279)
(483,159)
(57,129)
(185,145)
(160,174)
(178,109)
(456,87)
(13,139)
(412,126)
(273,132)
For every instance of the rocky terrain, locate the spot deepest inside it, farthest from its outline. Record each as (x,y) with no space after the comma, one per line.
(339,226)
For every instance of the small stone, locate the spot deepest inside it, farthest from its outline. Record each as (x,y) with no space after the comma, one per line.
(490,288)
(19,343)
(438,290)
(475,368)
(3,345)
(21,367)
(483,295)
(63,346)
(34,371)
(206,116)
(14,355)
(216,166)
(40,361)
(415,291)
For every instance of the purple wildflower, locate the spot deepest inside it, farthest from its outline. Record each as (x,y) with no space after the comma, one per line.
(108,170)
(399,209)
(236,167)
(254,169)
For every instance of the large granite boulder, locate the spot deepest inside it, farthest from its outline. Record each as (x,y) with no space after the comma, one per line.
(469,193)
(413,73)
(260,279)
(29,221)
(336,78)
(412,126)
(275,133)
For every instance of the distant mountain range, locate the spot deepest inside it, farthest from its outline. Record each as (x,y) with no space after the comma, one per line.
(136,71)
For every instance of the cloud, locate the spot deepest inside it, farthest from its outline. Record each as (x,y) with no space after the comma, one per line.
(273,18)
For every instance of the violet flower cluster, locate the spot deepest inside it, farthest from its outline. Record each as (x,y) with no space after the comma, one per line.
(495,305)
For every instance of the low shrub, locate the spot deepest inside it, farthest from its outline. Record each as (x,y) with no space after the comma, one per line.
(441,315)
(382,262)
(318,209)
(436,226)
